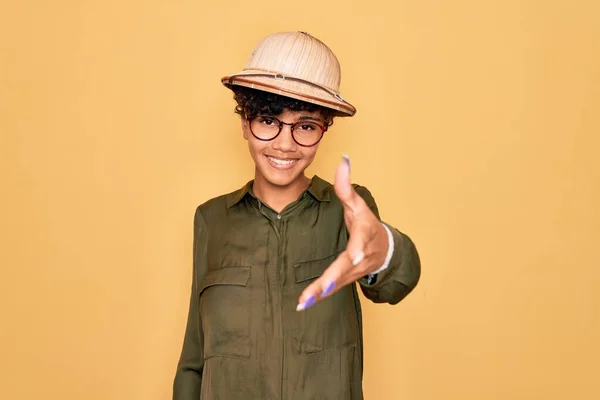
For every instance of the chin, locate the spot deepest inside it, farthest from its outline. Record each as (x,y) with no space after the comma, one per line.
(280,178)
(280,181)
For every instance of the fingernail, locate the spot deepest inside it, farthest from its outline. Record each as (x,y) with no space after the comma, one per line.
(357,260)
(347,159)
(329,288)
(308,303)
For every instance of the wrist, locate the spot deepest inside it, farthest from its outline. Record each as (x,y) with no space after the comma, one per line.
(389,239)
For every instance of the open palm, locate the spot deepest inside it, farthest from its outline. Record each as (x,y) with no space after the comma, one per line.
(367,245)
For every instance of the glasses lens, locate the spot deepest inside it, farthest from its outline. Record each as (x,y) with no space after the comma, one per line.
(264,127)
(307,133)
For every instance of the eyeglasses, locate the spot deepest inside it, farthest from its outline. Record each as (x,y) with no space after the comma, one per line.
(305,133)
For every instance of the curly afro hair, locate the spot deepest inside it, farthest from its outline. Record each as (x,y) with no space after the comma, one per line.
(251,102)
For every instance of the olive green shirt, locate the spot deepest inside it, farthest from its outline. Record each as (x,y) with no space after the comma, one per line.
(244,338)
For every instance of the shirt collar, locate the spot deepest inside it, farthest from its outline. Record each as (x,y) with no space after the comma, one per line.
(318,188)
(237,196)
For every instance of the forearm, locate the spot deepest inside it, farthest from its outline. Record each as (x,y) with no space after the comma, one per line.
(188,383)
(188,376)
(401,276)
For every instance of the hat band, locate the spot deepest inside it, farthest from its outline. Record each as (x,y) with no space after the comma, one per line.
(279,76)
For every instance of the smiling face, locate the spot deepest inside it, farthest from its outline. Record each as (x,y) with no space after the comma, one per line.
(281,162)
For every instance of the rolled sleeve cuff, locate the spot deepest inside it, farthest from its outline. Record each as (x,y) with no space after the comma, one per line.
(372,277)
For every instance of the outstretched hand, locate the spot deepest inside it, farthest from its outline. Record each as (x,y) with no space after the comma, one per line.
(367,246)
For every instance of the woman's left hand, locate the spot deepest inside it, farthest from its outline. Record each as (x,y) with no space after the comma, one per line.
(367,246)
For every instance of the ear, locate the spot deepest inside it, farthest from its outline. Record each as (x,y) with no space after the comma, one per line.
(245,128)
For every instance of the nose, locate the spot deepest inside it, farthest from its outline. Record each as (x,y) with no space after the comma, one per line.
(285,142)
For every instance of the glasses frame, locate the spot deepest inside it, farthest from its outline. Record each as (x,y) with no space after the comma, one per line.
(292,125)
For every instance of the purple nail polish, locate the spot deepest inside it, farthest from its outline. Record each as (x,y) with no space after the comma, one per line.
(311,300)
(347,159)
(329,288)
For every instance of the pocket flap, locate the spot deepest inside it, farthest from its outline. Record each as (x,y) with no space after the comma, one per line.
(307,270)
(237,276)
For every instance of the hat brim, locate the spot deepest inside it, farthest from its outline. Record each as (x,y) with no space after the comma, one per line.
(296,89)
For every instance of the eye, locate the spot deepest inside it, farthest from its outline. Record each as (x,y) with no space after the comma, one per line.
(307,127)
(267,121)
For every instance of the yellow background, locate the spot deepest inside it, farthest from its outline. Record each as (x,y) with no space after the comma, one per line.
(477,131)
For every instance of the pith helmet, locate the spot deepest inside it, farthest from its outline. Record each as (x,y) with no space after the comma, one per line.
(297,65)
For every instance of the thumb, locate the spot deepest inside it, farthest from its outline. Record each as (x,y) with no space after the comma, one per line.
(342,186)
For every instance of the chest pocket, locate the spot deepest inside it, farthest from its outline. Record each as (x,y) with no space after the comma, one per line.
(225,312)
(331,323)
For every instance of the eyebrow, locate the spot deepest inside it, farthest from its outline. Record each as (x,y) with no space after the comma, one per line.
(308,117)
(300,118)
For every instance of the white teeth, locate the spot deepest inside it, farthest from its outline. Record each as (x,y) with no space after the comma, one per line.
(279,161)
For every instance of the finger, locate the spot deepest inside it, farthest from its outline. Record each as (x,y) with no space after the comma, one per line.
(334,278)
(343,270)
(342,185)
(340,273)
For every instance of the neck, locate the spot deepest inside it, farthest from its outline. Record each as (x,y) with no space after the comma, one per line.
(278,197)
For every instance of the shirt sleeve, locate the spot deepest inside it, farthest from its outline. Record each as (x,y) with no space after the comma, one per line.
(188,375)
(402,274)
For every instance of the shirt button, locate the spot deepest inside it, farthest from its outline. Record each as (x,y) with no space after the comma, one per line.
(278,216)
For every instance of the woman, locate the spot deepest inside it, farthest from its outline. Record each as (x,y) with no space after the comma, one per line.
(274,310)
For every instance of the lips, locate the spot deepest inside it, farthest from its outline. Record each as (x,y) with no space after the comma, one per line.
(282,163)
